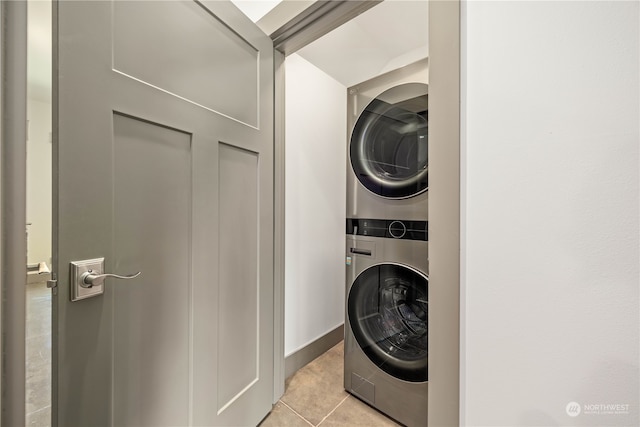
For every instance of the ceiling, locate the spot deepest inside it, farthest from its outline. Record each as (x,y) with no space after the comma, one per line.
(390,35)
(256,9)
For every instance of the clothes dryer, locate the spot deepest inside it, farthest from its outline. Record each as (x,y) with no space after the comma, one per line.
(387,172)
(386,322)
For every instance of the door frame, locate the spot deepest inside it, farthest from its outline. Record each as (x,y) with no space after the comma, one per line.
(444,88)
(13,191)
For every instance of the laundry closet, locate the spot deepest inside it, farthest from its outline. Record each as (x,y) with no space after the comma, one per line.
(389,44)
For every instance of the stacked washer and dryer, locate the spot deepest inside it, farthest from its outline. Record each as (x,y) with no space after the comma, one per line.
(386,327)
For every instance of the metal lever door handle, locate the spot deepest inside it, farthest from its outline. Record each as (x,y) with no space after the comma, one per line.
(88,280)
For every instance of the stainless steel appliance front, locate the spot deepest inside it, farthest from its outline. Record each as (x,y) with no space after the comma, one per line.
(386,327)
(387,172)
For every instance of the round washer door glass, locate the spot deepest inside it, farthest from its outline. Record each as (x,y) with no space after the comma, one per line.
(389,142)
(387,309)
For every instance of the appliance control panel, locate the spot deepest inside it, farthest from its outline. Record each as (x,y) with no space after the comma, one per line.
(388,228)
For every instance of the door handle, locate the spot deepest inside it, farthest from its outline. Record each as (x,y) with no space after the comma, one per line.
(88,279)
(360,251)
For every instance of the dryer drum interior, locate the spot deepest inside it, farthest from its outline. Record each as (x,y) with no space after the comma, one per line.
(388,315)
(389,143)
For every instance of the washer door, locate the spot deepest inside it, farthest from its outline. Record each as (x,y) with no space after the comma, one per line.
(387,309)
(389,142)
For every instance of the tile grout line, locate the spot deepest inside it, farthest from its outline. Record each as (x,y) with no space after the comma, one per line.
(295,412)
(333,410)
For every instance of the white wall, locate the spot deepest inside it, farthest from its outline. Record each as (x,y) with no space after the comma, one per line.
(39,181)
(315,192)
(550,201)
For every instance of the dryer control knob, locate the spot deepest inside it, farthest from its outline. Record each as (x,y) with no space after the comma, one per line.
(397,229)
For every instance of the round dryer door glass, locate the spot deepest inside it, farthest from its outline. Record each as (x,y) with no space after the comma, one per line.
(389,142)
(387,309)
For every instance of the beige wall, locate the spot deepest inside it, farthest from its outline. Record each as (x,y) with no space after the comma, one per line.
(39,181)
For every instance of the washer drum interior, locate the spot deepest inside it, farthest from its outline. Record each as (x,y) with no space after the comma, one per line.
(387,309)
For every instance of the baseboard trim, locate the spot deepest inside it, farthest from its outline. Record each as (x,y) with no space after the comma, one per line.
(306,354)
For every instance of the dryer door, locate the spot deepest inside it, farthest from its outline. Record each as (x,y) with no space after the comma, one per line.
(389,143)
(387,309)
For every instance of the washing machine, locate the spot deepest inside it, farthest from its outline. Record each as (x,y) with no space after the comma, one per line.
(386,321)
(387,171)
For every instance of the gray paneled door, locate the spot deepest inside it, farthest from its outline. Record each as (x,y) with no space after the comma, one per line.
(163,154)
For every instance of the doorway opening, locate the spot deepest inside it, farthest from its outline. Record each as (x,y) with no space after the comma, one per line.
(39,219)
(387,37)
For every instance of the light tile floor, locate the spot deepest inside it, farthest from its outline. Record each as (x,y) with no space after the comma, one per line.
(38,351)
(314,396)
